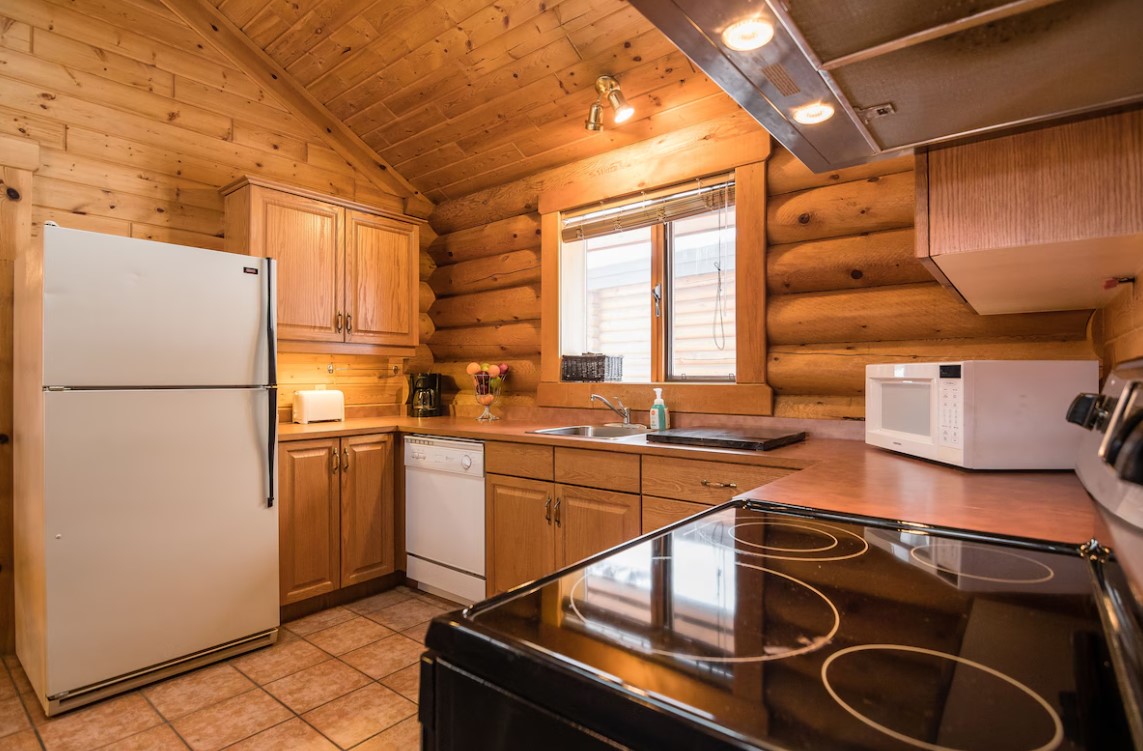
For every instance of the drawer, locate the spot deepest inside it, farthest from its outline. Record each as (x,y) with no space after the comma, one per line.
(518,460)
(598,469)
(660,512)
(703,481)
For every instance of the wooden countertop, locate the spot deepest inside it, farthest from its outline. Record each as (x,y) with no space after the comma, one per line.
(836,475)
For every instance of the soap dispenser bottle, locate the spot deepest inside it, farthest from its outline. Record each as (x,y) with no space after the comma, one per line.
(660,417)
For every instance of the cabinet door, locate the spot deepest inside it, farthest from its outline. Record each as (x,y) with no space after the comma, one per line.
(381,281)
(588,521)
(518,537)
(662,512)
(306,237)
(367,548)
(308,519)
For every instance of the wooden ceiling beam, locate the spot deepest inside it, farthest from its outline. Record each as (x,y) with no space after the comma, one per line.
(231,42)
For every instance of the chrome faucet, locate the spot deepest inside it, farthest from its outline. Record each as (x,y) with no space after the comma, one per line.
(620,410)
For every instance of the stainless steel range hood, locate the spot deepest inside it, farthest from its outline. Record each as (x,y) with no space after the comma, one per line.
(902,73)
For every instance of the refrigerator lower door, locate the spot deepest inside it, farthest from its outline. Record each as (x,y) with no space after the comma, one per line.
(159,540)
(121,312)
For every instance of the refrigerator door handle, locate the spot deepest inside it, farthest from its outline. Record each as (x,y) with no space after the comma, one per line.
(272,386)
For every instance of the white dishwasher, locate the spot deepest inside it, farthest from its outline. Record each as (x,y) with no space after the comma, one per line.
(444,516)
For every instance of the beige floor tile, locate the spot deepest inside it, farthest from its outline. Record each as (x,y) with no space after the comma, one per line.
(438,601)
(406,682)
(406,614)
(319,621)
(278,661)
(20,678)
(404,736)
(230,721)
(389,655)
(7,687)
(360,715)
(161,738)
(25,741)
(201,688)
(294,735)
(314,686)
(376,602)
(98,725)
(417,633)
(349,635)
(13,718)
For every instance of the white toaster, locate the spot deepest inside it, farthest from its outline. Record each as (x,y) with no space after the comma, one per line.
(317,406)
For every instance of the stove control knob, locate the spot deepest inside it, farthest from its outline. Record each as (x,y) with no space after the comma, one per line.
(1084,409)
(1129,461)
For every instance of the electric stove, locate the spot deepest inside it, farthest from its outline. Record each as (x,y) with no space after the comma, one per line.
(757,625)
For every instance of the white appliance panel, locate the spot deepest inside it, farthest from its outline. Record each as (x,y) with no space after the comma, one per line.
(445,518)
(124,312)
(159,541)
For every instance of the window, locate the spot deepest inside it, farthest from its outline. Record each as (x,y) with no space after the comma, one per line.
(653,280)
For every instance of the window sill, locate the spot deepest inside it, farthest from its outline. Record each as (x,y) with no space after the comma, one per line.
(707,398)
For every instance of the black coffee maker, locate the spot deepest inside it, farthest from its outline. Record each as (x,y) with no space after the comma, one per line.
(425,395)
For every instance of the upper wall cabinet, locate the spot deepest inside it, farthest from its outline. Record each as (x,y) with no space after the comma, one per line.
(1035,221)
(346,274)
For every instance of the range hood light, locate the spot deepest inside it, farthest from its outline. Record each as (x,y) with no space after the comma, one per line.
(812,114)
(748,34)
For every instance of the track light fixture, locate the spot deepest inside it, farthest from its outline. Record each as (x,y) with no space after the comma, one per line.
(608,88)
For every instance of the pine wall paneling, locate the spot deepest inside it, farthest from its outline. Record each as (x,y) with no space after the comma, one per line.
(139,122)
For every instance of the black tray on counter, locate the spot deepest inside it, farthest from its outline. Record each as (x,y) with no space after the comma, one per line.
(748,439)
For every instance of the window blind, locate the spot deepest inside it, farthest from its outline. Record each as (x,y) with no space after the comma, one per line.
(669,204)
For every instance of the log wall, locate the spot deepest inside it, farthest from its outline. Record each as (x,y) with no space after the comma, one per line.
(139,122)
(843,290)
(846,291)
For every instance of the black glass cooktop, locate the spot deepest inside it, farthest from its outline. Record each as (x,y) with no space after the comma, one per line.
(781,630)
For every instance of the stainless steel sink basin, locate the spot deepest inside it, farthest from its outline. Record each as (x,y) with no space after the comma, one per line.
(596,431)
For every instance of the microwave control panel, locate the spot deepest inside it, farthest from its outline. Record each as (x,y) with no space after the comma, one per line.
(950,410)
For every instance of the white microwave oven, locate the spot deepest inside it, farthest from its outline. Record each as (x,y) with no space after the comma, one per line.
(979,414)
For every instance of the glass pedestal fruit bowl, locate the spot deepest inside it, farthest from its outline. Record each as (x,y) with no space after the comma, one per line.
(488,380)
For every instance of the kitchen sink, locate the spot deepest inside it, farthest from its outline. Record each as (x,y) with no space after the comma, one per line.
(596,431)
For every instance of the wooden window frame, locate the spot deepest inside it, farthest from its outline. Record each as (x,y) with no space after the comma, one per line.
(748,395)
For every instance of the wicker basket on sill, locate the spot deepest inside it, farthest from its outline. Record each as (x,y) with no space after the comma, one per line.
(591,367)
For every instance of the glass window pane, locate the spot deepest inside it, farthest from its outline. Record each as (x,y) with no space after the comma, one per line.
(701,292)
(618,294)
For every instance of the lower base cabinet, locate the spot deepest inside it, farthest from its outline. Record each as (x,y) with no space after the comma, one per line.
(535,527)
(335,516)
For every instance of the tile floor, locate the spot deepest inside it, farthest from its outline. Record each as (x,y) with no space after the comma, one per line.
(344,678)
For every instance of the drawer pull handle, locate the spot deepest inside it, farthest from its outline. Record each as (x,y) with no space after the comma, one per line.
(712,484)
(337,323)
(333,464)
(349,323)
(345,459)
(548,509)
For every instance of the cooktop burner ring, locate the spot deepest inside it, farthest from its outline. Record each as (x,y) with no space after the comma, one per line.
(812,646)
(1058,726)
(821,549)
(704,531)
(929,563)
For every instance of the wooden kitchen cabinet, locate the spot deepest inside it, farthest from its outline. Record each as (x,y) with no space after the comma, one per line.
(701,481)
(1036,220)
(335,516)
(346,275)
(547,517)
(663,512)
(309,525)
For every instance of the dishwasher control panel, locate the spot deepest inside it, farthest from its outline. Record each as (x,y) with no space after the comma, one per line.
(445,455)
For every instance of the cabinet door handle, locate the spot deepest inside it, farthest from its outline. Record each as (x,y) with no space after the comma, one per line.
(348,322)
(548,509)
(345,459)
(557,512)
(337,322)
(712,484)
(333,463)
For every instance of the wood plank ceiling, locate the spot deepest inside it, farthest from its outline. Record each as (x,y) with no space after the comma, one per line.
(463,95)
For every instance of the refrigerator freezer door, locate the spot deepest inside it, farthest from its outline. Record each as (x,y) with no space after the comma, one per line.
(159,541)
(122,312)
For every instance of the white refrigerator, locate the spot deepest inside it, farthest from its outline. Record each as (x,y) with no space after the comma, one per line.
(147,528)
